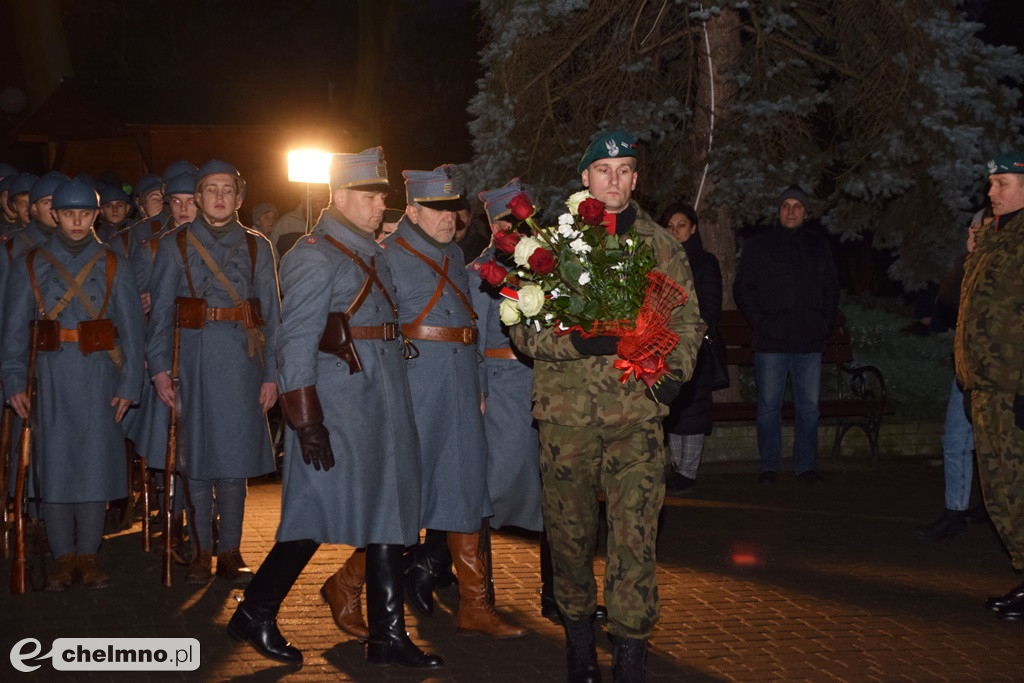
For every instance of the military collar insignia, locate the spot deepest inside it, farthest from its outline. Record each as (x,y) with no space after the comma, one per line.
(311,240)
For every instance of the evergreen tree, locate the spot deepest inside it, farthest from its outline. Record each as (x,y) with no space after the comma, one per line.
(883,110)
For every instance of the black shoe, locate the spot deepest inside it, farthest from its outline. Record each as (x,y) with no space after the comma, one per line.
(811,477)
(677,483)
(767,477)
(1014,611)
(977,514)
(581,652)
(949,523)
(263,635)
(389,642)
(629,660)
(1001,602)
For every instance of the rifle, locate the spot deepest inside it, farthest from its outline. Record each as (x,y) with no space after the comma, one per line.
(6,434)
(171,456)
(18,583)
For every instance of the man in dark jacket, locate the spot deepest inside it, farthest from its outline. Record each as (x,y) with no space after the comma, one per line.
(787,288)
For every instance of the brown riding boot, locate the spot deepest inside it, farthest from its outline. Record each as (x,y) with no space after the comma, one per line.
(342,591)
(62,574)
(476,612)
(199,571)
(92,576)
(232,567)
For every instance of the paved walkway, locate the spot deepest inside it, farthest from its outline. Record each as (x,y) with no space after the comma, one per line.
(783,582)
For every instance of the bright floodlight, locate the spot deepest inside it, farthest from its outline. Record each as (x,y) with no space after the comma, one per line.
(309,166)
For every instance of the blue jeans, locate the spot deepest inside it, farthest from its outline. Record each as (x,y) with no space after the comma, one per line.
(957,452)
(771,370)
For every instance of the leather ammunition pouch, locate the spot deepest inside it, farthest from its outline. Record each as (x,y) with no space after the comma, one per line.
(252,314)
(337,340)
(96,335)
(46,334)
(191,312)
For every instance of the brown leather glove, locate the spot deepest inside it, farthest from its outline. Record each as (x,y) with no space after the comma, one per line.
(304,414)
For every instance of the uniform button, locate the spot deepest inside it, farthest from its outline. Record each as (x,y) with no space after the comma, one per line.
(55,279)
(206,324)
(455,350)
(61,349)
(338,363)
(92,298)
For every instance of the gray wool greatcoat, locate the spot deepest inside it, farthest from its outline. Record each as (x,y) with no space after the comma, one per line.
(225,430)
(372,494)
(445,387)
(513,443)
(81,448)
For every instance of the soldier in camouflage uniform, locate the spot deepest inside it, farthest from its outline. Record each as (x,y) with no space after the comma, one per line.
(990,363)
(599,434)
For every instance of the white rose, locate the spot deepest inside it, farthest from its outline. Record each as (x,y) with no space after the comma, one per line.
(584,278)
(566,219)
(578,246)
(575,200)
(525,249)
(531,299)
(566,231)
(509,312)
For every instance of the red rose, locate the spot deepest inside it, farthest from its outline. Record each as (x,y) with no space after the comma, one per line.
(507,241)
(591,211)
(541,261)
(493,273)
(521,206)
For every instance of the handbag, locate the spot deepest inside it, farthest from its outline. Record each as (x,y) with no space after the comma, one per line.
(715,350)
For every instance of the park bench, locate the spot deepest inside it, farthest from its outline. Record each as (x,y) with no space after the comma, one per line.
(856,399)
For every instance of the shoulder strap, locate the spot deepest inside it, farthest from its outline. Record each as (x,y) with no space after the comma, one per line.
(30,260)
(371,277)
(74,284)
(443,273)
(214,268)
(180,239)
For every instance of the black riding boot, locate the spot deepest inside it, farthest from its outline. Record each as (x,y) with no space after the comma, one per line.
(629,660)
(431,558)
(255,620)
(389,643)
(581,651)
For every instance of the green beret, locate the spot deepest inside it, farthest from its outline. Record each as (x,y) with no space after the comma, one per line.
(1011,162)
(617,143)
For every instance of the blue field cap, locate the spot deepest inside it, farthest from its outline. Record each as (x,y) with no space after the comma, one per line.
(113,193)
(367,169)
(45,186)
(146,184)
(496,201)
(433,189)
(614,144)
(6,170)
(214,166)
(75,194)
(21,184)
(183,183)
(1011,162)
(180,166)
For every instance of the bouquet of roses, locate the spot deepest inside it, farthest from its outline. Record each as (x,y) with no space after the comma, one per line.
(578,275)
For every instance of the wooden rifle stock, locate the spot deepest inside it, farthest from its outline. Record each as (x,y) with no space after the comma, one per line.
(6,438)
(171,457)
(18,568)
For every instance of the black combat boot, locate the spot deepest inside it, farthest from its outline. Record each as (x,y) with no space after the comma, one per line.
(581,651)
(389,643)
(629,660)
(255,620)
(1000,602)
(430,560)
(950,523)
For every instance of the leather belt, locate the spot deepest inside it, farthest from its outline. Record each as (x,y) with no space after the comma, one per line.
(505,353)
(69,335)
(463,335)
(233,314)
(385,331)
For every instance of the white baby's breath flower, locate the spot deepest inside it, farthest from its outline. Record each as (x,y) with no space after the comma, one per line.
(584,278)
(548,317)
(578,246)
(566,219)
(629,241)
(566,231)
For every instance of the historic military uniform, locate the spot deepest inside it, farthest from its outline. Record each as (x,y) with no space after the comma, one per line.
(599,434)
(438,320)
(989,348)
(81,298)
(220,282)
(352,466)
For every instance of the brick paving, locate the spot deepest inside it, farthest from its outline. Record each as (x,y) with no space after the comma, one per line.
(783,582)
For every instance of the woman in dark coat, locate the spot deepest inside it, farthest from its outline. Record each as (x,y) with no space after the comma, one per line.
(690,416)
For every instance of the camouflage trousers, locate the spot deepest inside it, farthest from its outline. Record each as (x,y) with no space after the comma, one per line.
(999,444)
(628,465)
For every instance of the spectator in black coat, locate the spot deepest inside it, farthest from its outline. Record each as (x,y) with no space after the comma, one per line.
(689,419)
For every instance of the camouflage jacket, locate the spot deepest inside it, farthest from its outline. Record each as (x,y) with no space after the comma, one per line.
(990,332)
(575,390)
